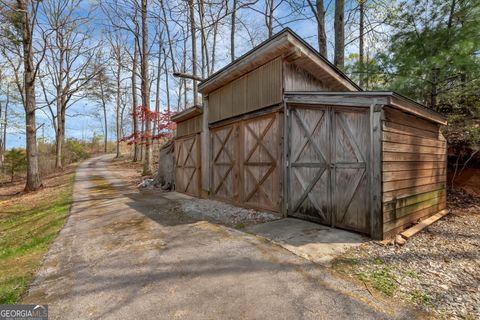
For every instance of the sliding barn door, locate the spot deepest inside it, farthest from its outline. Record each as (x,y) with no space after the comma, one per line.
(327,166)
(309,164)
(351,143)
(245,162)
(224,162)
(260,157)
(187,165)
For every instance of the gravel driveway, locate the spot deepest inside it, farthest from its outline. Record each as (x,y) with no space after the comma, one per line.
(125,254)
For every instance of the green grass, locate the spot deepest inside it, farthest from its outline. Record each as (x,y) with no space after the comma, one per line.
(382,279)
(27,227)
(420,297)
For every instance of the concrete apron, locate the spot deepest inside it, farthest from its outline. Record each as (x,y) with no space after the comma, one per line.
(312,241)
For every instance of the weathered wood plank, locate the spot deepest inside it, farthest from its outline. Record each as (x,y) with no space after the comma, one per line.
(408,148)
(400,156)
(399,203)
(412,174)
(405,221)
(407,130)
(404,211)
(406,192)
(409,120)
(393,166)
(402,184)
(413,140)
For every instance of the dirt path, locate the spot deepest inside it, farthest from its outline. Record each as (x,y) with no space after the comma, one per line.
(124,254)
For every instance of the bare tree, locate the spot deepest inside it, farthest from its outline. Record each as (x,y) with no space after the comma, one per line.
(68,57)
(145,88)
(361,42)
(116,44)
(318,10)
(339,27)
(20,41)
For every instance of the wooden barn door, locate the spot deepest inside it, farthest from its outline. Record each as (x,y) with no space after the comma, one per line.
(327,166)
(224,164)
(260,156)
(187,165)
(309,164)
(351,146)
(245,162)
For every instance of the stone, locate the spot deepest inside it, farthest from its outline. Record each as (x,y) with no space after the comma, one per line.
(400,240)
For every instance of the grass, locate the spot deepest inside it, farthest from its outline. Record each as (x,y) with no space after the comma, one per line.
(420,297)
(28,225)
(382,279)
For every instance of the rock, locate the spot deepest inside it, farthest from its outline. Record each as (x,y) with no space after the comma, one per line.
(400,240)
(146,184)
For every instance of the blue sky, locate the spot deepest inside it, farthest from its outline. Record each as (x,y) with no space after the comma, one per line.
(81,122)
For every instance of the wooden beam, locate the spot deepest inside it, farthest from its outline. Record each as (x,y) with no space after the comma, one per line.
(337,99)
(425,223)
(376,214)
(205,152)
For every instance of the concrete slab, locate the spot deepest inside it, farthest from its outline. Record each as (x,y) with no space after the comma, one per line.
(309,240)
(173,195)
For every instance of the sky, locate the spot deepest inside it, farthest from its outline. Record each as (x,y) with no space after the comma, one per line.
(82,123)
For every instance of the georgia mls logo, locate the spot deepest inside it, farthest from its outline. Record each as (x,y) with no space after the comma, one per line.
(23,312)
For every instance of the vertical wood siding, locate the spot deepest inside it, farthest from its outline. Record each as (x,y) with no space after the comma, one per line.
(297,79)
(189,126)
(414,170)
(187,165)
(257,89)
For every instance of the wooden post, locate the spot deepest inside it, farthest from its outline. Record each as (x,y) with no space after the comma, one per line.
(285,159)
(376,214)
(205,154)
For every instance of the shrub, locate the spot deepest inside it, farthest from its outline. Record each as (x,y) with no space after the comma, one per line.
(15,161)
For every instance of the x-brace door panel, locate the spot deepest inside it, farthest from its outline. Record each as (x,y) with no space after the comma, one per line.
(309,167)
(327,168)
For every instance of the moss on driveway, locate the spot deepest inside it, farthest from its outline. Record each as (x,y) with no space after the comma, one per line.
(28,224)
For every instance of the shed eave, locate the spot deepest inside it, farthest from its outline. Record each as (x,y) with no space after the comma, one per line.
(187,114)
(281,44)
(366,98)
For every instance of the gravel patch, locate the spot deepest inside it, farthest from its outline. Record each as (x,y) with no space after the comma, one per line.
(438,269)
(224,213)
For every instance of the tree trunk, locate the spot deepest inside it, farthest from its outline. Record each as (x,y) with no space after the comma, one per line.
(3,145)
(147,165)
(361,45)
(322,36)
(136,150)
(159,73)
(339,27)
(167,88)
(34,181)
(194,50)
(59,134)
(105,140)
(232,30)
(118,118)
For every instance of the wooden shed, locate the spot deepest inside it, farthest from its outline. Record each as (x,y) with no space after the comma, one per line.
(282,129)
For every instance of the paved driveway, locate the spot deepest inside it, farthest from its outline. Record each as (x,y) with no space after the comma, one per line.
(124,254)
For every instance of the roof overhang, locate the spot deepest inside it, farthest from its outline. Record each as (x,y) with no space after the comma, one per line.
(366,99)
(187,114)
(290,46)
